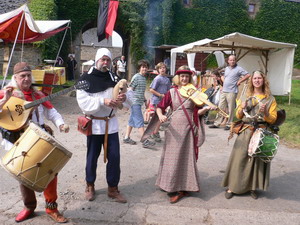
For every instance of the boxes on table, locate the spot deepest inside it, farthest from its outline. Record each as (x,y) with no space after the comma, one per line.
(50,77)
(38,76)
(61,72)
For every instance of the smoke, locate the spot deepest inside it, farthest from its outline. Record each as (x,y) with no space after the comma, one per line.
(153,21)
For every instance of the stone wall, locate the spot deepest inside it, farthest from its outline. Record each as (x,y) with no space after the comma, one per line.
(9,5)
(30,55)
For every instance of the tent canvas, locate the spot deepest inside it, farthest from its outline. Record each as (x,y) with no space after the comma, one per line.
(274,58)
(30,30)
(191,56)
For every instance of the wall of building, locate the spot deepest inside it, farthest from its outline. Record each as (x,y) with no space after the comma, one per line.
(253,7)
(28,54)
(9,5)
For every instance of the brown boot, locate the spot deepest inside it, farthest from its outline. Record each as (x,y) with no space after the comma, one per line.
(90,192)
(114,193)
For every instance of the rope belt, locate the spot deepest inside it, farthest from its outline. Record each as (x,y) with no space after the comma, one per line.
(106,119)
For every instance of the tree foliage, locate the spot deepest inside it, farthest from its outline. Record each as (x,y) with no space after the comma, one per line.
(131,21)
(278,20)
(208,19)
(45,10)
(170,22)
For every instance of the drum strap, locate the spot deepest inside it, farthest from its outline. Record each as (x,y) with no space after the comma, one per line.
(106,119)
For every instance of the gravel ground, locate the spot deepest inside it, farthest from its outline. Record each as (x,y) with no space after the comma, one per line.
(146,203)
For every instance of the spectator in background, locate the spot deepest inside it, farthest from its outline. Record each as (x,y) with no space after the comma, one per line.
(121,67)
(159,87)
(167,62)
(59,62)
(71,67)
(136,120)
(232,79)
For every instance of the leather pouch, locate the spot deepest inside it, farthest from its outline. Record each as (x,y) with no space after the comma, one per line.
(84,125)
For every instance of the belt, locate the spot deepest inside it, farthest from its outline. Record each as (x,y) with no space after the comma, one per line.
(106,119)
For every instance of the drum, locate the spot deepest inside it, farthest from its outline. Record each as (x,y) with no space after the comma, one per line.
(263,144)
(36,158)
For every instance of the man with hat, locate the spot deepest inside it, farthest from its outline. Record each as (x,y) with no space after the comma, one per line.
(21,86)
(98,103)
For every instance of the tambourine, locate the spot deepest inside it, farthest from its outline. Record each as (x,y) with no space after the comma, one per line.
(121,87)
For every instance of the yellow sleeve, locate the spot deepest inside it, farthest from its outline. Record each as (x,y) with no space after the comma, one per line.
(239,108)
(272,113)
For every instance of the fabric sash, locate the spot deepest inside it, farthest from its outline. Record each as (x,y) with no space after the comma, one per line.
(196,149)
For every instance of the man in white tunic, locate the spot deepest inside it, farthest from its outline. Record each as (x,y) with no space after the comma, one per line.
(98,103)
(21,87)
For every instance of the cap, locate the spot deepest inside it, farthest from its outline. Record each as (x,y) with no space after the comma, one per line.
(101,52)
(183,71)
(21,67)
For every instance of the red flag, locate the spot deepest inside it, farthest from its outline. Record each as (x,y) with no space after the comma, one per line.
(107,15)
(111,19)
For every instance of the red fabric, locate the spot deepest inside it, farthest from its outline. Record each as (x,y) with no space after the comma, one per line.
(165,102)
(9,28)
(37,95)
(111,18)
(50,194)
(1,94)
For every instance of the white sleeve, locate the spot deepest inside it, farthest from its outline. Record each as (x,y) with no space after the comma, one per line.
(89,103)
(53,116)
(129,98)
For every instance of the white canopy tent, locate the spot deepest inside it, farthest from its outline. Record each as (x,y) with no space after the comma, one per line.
(191,56)
(274,58)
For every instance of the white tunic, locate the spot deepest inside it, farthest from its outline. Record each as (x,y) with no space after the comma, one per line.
(50,114)
(93,104)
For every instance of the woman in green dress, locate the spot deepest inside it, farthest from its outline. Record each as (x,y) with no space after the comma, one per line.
(244,173)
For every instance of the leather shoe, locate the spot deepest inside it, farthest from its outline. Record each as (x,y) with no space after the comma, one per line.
(90,192)
(57,217)
(114,193)
(24,215)
(228,195)
(253,194)
(178,196)
(213,126)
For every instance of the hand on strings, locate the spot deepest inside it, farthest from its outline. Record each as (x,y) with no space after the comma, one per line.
(8,92)
(204,110)
(263,109)
(110,103)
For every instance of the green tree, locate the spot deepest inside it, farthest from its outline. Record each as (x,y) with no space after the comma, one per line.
(45,10)
(278,20)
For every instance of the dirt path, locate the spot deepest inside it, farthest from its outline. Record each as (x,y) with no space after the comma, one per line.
(147,204)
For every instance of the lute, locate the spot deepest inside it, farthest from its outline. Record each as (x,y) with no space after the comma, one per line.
(15,112)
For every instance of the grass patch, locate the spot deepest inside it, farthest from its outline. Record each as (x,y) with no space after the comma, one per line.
(290,129)
(8,77)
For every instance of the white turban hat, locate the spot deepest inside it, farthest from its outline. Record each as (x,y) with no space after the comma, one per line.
(101,52)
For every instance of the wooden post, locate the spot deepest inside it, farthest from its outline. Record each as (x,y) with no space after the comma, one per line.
(5,58)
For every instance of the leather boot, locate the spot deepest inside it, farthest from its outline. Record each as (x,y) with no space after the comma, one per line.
(114,193)
(90,192)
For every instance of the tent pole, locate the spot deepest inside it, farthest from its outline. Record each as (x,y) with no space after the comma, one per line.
(6,72)
(290,95)
(61,43)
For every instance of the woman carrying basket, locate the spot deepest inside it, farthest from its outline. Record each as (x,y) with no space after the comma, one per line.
(246,174)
